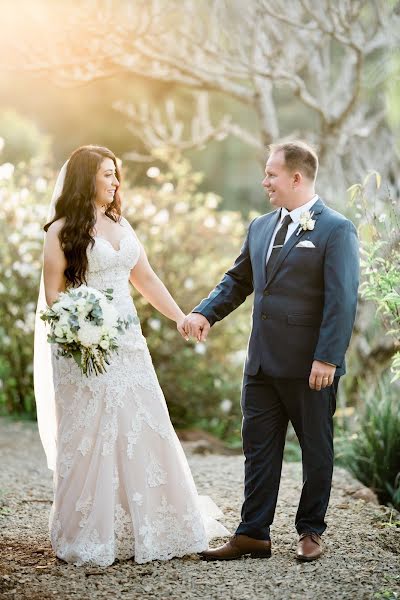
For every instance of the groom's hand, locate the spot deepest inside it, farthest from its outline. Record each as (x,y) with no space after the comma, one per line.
(321,375)
(197,326)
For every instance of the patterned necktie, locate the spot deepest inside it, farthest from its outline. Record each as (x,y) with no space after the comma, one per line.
(278,243)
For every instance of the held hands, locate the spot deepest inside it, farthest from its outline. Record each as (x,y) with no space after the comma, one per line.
(321,375)
(197,326)
(194,325)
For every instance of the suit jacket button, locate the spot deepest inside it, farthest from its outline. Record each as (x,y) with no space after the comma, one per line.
(266,293)
(263,316)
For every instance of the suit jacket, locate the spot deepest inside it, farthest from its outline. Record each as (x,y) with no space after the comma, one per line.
(306,308)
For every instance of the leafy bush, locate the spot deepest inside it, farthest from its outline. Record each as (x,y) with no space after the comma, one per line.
(380,253)
(372,453)
(23,207)
(189,243)
(372,448)
(23,140)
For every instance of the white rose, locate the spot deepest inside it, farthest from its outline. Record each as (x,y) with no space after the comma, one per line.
(81,306)
(58,331)
(105,344)
(310,225)
(89,335)
(56,307)
(65,302)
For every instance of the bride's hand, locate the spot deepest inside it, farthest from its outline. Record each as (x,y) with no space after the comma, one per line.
(180,327)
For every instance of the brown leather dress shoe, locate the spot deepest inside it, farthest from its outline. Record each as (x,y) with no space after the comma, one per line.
(309,546)
(239,545)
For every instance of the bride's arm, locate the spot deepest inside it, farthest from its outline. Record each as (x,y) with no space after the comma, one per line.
(54,263)
(145,280)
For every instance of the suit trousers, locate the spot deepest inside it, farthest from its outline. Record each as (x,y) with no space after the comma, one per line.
(268,404)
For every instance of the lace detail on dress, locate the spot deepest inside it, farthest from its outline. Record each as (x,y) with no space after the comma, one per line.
(165,534)
(155,474)
(122,483)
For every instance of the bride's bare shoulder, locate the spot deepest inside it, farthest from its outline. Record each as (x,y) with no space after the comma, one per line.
(56,227)
(125,223)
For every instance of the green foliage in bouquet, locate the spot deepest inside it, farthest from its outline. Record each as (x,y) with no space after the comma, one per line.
(84,326)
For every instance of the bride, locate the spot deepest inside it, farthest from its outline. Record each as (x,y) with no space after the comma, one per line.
(122,485)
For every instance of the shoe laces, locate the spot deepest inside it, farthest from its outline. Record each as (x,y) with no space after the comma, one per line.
(314,536)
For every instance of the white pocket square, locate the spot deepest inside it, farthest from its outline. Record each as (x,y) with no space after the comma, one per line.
(305,244)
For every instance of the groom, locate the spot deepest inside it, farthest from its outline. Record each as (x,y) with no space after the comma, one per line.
(301,261)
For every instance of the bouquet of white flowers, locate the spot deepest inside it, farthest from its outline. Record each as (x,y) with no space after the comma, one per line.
(85,325)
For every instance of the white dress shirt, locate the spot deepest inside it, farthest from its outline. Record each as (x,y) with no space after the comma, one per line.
(295,215)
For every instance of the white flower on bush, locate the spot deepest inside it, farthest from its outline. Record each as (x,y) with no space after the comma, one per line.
(41,185)
(153,172)
(200,348)
(188,283)
(149,210)
(14,238)
(167,187)
(23,269)
(6,170)
(210,222)
(181,207)
(161,217)
(226,405)
(155,324)
(212,201)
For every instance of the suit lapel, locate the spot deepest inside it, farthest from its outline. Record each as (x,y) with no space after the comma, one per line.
(267,236)
(294,239)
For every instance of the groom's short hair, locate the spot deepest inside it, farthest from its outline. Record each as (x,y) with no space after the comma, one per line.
(299,156)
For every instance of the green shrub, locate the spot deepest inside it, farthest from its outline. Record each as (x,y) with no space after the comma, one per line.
(372,452)
(23,208)
(189,242)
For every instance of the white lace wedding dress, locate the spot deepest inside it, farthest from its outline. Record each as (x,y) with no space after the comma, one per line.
(122,485)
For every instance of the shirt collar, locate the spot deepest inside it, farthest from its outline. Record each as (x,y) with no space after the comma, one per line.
(297,212)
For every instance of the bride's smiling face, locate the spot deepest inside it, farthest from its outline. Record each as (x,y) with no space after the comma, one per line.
(106,182)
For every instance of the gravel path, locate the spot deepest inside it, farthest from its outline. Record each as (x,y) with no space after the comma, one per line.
(362,557)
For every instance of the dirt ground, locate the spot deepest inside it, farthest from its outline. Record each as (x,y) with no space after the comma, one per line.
(362,542)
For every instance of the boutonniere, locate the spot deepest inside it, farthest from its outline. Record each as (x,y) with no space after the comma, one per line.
(307,223)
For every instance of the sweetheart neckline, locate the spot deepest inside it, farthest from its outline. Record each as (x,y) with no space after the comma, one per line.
(110,244)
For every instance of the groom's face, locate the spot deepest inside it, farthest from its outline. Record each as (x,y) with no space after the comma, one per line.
(278,182)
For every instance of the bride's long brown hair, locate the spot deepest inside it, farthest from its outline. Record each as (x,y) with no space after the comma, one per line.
(76,205)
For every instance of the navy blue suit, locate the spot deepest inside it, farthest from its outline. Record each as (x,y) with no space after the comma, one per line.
(303,311)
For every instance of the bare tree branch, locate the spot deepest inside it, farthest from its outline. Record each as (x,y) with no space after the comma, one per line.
(252,53)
